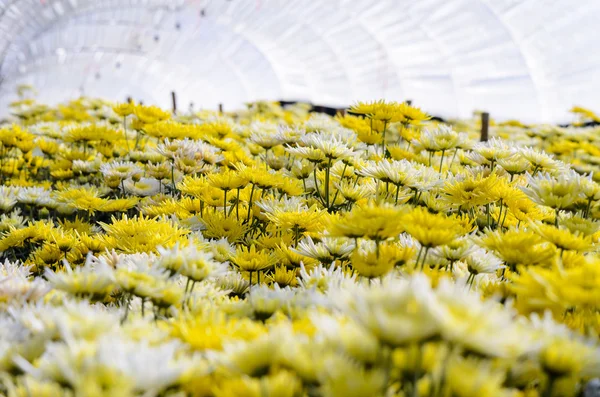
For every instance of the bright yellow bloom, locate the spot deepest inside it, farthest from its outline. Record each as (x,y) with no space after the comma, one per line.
(124,109)
(251,260)
(150,114)
(373,222)
(140,234)
(431,230)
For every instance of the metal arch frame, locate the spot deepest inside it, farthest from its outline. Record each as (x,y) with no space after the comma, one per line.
(10,67)
(373,34)
(247,34)
(511,35)
(83,58)
(525,56)
(239,75)
(82,10)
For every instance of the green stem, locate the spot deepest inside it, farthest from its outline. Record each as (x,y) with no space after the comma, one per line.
(173,174)
(500,213)
(267,158)
(424,258)
(327,171)
(127,302)
(418,257)
(317,186)
(549,386)
(589,206)
(250,203)
(453,157)
(442,160)
(417,373)
(383,139)
(296,235)
(237,205)
(125,127)
(341,179)
(387,360)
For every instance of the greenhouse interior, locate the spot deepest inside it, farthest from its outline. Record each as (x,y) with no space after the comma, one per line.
(293,198)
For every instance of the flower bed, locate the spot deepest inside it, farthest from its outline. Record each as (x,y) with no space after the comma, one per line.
(277,252)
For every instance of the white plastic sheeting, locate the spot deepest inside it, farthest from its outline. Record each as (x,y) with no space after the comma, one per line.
(525,59)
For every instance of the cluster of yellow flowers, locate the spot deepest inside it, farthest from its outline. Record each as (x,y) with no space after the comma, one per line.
(282,253)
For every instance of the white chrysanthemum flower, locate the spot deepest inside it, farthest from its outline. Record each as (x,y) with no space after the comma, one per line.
(589,188)
(558,192)
(346,336)
(427,179)
(321,278)
(120,169)
(152,367)
(34,196)
(144,187)
(95,278)
(307,247)
(443,138)
(86,167)
(17,286)
(515,164)
(78,318)
(484,327)
(331,147)
(457,250)
(384,310)
(338,247)
(222,249)
(489,152)
(539,160)
(265,300)
(397,172)
(265,138)
(8,198)
(285,204)
(234,283)
(481,261)
(191,262)
(186,148)
(320,122)
(290,134)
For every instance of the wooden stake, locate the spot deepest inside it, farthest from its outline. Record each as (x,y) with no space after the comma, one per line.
(485,126)
(174,99)
(220,108)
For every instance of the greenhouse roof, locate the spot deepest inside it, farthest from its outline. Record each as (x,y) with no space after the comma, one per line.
(526,59)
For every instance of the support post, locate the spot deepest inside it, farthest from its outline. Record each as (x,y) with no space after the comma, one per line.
(220,108)
(409,102)
(174,99)
(485,126)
